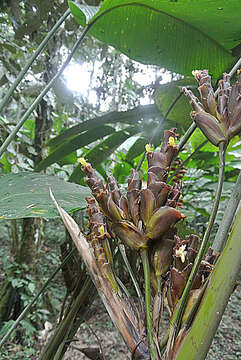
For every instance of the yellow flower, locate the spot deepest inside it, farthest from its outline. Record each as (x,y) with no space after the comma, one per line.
(181,253)
(196,73)
(102,230)
(171,141)
(148,148)
(82,161)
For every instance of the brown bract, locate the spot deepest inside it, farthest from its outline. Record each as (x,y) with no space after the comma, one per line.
(218,121)
(142,215)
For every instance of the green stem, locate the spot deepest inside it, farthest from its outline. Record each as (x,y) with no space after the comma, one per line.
(176,321)
(235,67)
(58,340)
(146,267)
(187,159)
(186,136)
(33,57)
(224,227)
(135,282)
(123,287)
(26,310)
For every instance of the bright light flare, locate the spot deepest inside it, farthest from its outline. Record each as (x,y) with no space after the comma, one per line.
(78,78)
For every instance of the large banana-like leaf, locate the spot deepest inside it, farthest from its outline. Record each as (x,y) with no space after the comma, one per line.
(178,35)
(75,143)
(103,150)
(137,148)
(26,194)
(132,116)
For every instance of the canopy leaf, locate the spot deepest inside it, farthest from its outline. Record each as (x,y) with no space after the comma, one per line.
(75,143)
(26,194)
(132,116)
(103,150)
(177,35)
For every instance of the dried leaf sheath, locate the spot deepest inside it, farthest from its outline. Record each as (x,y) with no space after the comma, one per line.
(122,315)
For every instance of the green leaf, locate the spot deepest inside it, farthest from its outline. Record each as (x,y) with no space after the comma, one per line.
(5,164)
(103,150)
(29,328)
(31,287)
(133,116)
(68,159)
(26,194)
(198,210)
(137,148)
(166,94)
(75,143)
(178,35)
(83,12)
(121,171)
(6,327)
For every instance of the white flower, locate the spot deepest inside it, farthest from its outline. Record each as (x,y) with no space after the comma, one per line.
(181,253)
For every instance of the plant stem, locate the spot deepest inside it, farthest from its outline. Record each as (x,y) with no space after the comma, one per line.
(135,282)
(176,321)
(26,310)
(57,342)
(187,159)
(186,136)
(228,217)
(235,67)
(33,57)
(146,267)
(123,287)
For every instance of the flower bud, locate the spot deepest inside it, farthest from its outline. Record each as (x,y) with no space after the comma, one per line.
(130,235)
(147,205)
(176,287)
(134,182)
(161,221)
(234,108)
(160,191)
(124,206)
(133,205)
(112,186)
(208,99)
(162,256)
(114,212)
(178,280)
(210,126)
